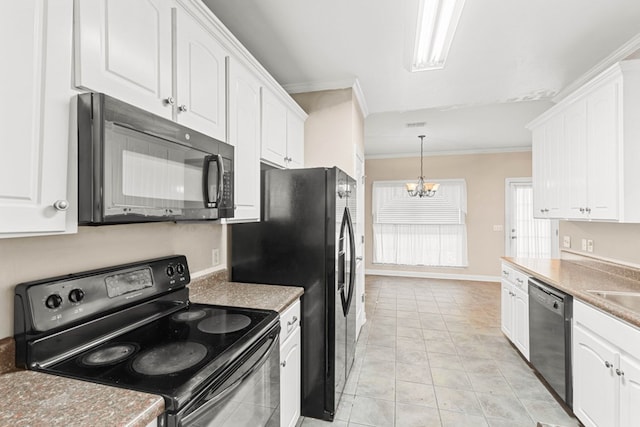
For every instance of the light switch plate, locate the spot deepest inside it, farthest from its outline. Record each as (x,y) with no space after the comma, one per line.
(566,241)
(215,257)
(584,244)
(589,245)
(498,227)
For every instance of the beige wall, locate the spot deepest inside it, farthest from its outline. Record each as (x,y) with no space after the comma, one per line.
(485,175)
(32,258)
(334,125)
(618,242)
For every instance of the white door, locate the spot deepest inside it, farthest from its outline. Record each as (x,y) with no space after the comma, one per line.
(521,321)
(36,38)
(201,78)
(629,391)
(244,134)
(274,129)
(526,236)
(290,354)
(595,383)
(123,48)
(359,238)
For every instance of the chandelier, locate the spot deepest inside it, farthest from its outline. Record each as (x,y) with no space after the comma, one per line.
(421,188)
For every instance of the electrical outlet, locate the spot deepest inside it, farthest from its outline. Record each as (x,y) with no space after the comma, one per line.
(215,257)
(589,245)
(583,246)
(566,241)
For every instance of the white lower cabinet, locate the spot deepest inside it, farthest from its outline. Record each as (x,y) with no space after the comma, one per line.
(606,374)
(290,366)
(514,303)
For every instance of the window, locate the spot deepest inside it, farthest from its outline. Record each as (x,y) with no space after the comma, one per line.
(414,231)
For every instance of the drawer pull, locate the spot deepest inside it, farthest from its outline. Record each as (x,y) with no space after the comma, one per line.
(607,364)
(292,321)
(619,372)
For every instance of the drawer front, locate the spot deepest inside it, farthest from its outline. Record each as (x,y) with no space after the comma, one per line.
(515,277)
(289,320)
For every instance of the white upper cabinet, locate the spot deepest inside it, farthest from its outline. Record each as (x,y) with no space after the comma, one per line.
(244,134)
(37,49)
(200,70)
(282,133)
(123,48)
(598,148)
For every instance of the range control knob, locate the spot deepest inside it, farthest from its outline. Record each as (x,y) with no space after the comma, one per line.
(171,271)
(180,269)
(53,301)
(76,295)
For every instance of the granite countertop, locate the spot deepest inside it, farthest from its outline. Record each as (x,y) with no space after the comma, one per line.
(36,399)
(576,277)
(215,289)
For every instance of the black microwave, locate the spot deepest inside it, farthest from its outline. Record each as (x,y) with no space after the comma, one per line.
(134,166)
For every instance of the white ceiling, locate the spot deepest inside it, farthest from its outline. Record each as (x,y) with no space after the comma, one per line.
(508,58)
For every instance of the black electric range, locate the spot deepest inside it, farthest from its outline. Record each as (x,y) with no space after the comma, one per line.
(133,326)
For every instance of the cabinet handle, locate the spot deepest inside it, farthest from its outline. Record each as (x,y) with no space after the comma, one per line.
(61,205)
(183,108)
(283,363)
(292,321)
(619,372)
(519,281)
(588,210)
(169,101)
(541,210)
(607,364)
(505,272)
(581,210)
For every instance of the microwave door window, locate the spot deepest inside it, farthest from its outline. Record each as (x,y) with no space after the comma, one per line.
(147,177)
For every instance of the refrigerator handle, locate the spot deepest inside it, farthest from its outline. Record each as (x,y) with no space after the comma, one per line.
(342,262)
(352,260)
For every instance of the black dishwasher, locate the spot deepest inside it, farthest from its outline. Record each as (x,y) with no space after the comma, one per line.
(550,313)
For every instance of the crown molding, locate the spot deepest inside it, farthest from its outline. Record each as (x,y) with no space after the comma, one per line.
(449,153)
(616,56)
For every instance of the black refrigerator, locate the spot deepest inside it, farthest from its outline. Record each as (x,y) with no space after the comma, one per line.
(306,238)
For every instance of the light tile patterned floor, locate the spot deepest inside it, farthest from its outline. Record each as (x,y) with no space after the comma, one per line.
(432,354)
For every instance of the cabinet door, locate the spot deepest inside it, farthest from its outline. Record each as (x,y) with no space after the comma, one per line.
(538,172)
(506,305)
(290,380)
(576,160)
(295,141)
(274,129)
(554,176)
(629,391)
(200,69)
(521,321)
(603,127)
(36,44)
(595,383)
(244,134)
(123,48)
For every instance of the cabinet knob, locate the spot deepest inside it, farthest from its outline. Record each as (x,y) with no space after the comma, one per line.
(581,210)
(169,101)
(588,210)
(182,108)
(61,205)
(607,364)
(619,372)
(283,363)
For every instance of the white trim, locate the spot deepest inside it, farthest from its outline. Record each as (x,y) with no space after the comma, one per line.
(359,95)
(208,271)
(450,153)
(430,275)
(617,55)
(318,86)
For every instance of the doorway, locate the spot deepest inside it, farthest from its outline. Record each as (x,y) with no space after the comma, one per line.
(526,236)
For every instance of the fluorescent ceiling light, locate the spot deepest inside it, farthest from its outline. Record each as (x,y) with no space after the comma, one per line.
(437,23)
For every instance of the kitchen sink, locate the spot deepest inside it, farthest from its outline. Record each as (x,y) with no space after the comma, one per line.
(627,299)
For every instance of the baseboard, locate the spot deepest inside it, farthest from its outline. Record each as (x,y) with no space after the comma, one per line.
(430,275)
(208,271)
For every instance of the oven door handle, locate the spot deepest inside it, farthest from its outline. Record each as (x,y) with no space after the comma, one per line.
(224,393)
(208,203)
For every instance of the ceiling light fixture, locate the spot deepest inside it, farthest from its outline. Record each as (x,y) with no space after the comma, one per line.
(421,188)
(437,23)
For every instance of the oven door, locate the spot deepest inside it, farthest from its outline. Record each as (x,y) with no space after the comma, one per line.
(246,394)
(147,177)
